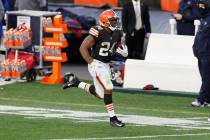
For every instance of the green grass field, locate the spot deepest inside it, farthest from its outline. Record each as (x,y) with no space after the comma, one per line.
(30,111)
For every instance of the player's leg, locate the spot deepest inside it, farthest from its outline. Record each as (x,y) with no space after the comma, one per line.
(110,109)
(72,81)
(104,87)
(89,88)
(203,98)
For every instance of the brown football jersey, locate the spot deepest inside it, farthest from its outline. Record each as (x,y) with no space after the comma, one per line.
(104,43)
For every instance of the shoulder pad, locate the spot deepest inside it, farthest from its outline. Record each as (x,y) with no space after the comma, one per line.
(94,31)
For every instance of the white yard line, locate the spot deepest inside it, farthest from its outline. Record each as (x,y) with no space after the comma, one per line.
(100,106)
(102,117)
(183,129)
(138,137)
(2,82)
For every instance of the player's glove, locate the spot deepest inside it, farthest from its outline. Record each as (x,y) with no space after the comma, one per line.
(122,50)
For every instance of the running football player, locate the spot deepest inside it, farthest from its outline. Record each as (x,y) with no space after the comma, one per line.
(104,41)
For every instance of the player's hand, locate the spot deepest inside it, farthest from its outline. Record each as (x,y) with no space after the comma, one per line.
(122,50)
(90,60)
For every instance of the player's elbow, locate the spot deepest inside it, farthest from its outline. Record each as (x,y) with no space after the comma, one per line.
(83,50)
(80,49)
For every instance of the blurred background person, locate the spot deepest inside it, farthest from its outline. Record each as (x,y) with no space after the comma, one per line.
(39,5)
(201,49)
(11,5)
(188,12)
(1,18)
(8,5)
(136,25)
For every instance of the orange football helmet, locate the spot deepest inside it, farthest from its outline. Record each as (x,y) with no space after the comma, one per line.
(109,19)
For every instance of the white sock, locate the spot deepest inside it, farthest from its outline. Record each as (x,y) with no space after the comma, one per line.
(110,110)
(84,86)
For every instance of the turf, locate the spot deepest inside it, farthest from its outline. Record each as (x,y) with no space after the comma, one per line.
(16,127)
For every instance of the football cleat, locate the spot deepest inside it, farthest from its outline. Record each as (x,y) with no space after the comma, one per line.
(70,81)
(115,122)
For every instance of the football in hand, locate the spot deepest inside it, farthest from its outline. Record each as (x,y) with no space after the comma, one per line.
(118,44)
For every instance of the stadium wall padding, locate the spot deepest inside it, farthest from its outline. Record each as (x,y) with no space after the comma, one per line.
(169,65)
(170,5)
(99,3)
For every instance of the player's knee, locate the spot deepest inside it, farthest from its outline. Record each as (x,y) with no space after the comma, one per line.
(93,91)
(108,97)
(108,92)
(109,87)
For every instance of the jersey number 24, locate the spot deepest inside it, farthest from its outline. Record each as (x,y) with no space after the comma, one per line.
(106,48)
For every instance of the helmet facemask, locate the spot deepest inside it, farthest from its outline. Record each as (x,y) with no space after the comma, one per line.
(113,23)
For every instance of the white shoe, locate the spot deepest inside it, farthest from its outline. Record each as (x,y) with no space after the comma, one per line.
(209,118)
(206,104)
(196,103)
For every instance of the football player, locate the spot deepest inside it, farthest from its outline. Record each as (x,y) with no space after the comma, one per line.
(104,41)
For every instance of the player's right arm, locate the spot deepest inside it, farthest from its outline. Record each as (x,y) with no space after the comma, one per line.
(88,42)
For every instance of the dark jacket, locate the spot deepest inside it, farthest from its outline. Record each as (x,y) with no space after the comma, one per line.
(11,5)
(189,11)
(201,46)
(129,18)
(38,5)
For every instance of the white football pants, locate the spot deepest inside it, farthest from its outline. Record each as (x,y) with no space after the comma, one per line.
(101,76)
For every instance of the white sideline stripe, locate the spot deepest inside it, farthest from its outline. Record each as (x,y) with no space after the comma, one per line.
(2,82)
(99,106)
(183,129)
(99,117)
(196,118)
(137,137)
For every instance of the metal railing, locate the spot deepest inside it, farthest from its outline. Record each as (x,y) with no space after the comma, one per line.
(173,25)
